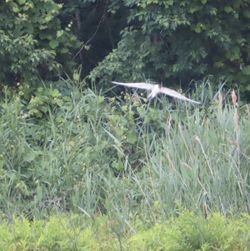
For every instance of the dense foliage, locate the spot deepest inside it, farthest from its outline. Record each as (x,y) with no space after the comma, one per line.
(164,40)
(32,41)
(179,41)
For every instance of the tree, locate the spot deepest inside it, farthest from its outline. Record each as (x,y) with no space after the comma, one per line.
(32,40)
(177,41)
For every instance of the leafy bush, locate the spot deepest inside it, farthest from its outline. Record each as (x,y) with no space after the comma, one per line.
(189,232)
(32,40)
(68,232)
(74,232)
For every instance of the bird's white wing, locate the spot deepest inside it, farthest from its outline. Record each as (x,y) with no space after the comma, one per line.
(176,94)
(136,85)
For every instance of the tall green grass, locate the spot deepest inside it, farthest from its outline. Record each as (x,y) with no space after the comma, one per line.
(87,153)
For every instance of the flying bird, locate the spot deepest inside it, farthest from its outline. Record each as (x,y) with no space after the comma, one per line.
(156,89)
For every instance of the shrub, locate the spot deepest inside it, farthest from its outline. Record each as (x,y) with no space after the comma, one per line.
(75,232)
(189,232)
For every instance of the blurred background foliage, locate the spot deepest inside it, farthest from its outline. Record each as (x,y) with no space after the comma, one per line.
(164,40)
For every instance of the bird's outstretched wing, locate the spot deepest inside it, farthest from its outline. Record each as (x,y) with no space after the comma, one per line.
(145,86)
(176,94)
(164,90)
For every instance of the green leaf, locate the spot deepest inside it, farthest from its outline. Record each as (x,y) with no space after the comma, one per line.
(59,33)
(228,9)
(233,54)
(131,137)
(21,2)
(246,70)
(76,76)
(53,44)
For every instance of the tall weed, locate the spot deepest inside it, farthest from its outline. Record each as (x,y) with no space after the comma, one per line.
(124,157)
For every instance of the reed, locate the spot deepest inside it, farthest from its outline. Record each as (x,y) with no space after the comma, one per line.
(92,154)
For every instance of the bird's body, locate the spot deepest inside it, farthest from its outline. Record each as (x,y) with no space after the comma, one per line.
(156,89)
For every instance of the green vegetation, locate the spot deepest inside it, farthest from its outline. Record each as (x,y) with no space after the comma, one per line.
(186,232)
(33,41)
(84,166)
(120,157)
(178,41)
(164,40)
